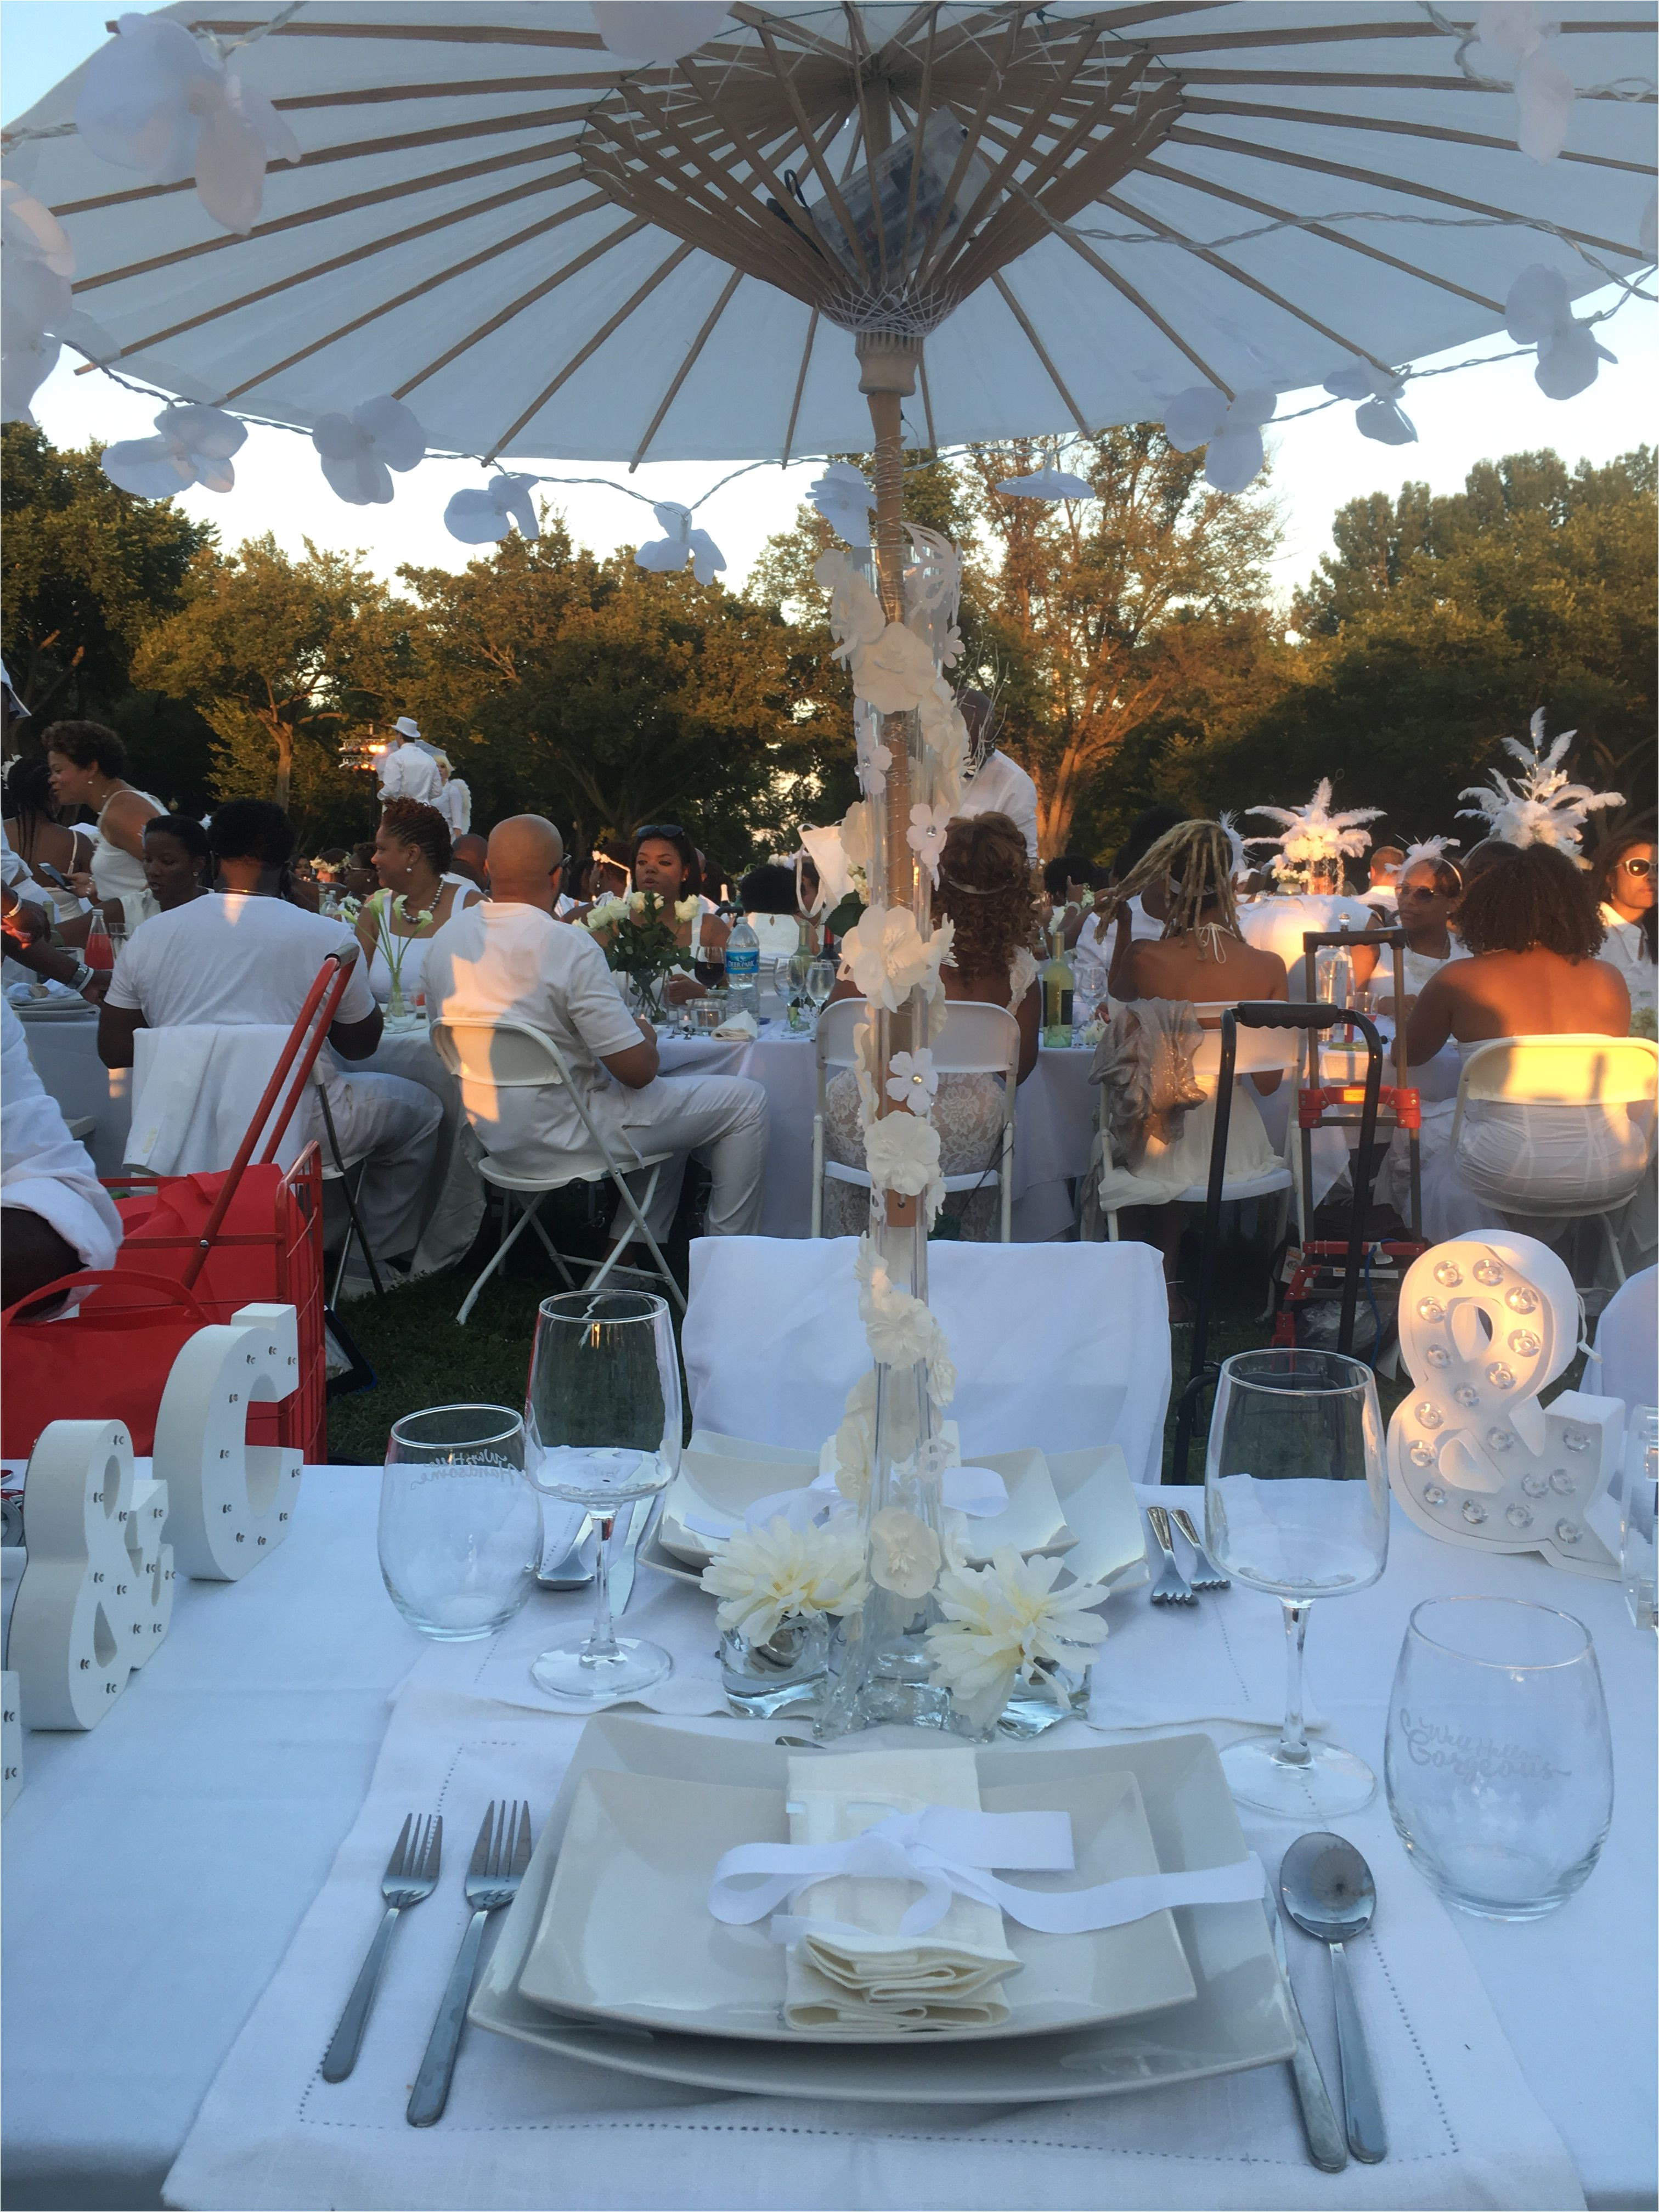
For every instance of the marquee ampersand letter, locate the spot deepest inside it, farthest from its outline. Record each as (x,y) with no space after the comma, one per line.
(230,1502)
(71,1625)
(1486,1324)
(149,1583)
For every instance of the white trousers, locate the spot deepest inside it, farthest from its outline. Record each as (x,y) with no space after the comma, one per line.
(395,1122)
(718,1120)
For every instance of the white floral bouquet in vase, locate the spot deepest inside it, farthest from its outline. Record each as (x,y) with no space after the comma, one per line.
(645,940)
(381,905)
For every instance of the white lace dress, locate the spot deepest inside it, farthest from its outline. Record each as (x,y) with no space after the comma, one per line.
(968,1115)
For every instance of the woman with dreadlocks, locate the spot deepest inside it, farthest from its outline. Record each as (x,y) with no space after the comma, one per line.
(1159,1120)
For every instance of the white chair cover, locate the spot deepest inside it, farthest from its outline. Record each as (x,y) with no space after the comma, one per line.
(1627,1338)
(1058,1346)
(195,1089)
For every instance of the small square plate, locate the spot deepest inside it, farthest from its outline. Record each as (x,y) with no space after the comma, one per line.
(1238,2017)
(627,1933)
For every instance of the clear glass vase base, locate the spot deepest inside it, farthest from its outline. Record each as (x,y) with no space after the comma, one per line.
(568,1670)
(1329,1782)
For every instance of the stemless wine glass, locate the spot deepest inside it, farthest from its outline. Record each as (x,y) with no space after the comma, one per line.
(603,1419)
(1296,1502)
(460,1529)
(1498,1758)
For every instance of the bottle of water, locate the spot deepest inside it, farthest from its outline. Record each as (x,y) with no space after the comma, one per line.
(742,968)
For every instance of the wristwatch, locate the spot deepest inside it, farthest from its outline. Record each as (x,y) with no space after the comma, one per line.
(82,976)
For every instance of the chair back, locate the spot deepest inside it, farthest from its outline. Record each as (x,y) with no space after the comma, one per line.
(834,1039)
(1627,1340)
(977,1039)
(498,1054)
(1562,1071)
(1258,1052)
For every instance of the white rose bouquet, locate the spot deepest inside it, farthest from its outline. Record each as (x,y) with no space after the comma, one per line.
(639,935)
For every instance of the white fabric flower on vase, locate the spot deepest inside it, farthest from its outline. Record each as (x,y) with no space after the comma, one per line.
(888,957)
(360,450)
(902,1151)
(874,758)
(657,32)
(926,837)
(1539,312)
(1380,417)
(766,1576)
(905,1555)
(193,445)
(1048,483)
(894,672)
(845,499)
(911,1079)
(155,100)
(485,517)
(1230,432)
(681,546)
(1515,46)
(855,615)
(1004,1623)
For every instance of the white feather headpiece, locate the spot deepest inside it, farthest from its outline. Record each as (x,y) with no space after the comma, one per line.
(1312,834)
(1235,843)
(1430,848)
(1541,807)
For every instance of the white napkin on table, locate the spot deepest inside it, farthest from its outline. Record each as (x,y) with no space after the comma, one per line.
(741,1024)
(883,1982)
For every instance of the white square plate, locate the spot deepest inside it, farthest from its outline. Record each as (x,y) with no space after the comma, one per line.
(627,1933)
(1236,2019)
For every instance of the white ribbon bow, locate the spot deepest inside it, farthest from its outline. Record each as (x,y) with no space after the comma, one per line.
(950,1852)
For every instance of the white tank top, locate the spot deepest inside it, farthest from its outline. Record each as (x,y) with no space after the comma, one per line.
(118,874)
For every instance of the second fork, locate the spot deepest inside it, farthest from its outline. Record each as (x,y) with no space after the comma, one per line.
(411,1874)
(1171,1586)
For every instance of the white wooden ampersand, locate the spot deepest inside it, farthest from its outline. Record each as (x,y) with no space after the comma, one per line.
(75,1626)
(1486,1324)
(149,1584)
(231,1501)
(11,1742)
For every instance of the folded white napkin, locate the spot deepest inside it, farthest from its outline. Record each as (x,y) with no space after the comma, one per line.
(741,1024)
(880,1981)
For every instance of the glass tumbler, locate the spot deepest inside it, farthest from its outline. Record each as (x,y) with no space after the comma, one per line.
(1498,1764)
(460,1527)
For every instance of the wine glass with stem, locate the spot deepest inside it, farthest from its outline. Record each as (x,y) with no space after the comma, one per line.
(1295,1504)
(602,1419)
(820,982)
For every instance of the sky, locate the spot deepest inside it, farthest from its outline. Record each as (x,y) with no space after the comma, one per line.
(1319,464)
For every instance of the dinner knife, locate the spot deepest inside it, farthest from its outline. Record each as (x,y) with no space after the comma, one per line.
(1328,2146)
(625,1553)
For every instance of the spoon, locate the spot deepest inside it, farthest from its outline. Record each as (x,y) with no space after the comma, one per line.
(1326,1888)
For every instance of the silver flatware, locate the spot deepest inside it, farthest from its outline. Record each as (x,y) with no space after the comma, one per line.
(1326,2146)
(1326,1888)
(625,1550)
(411,1874)
(499,1859)
(1171,1586)
(572,1572)
(1205,1575)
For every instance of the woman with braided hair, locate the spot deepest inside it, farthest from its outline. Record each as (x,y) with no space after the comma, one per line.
(1159,1122)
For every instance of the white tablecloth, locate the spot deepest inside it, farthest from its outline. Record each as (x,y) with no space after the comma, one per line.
(156,1871)
(1053,1127)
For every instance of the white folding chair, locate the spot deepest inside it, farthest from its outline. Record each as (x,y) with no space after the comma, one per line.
(1573,1069)
(1628,1344)
(976,1040)
(349,1173)
(487,1057)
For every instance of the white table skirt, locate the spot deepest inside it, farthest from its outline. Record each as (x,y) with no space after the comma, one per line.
(155,1871)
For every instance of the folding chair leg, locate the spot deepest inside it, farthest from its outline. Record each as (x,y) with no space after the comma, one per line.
(1275,1238)
(1006,1193)
(1614,1253)
(633,1206)
(817,1175)
(356,1226)
(509,1238)
(1111,1225)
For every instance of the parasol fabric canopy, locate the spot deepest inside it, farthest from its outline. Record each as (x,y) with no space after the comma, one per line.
(545,249)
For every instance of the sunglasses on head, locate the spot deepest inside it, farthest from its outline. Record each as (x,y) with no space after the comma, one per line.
(657,829)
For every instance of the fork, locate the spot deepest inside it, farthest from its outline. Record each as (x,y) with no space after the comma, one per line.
(411,1874)
(1206,1575)
(1171,1586)
(499,1859)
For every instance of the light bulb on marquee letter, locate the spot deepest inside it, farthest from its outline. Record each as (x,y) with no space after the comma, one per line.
(1486,1324)
(231,1501)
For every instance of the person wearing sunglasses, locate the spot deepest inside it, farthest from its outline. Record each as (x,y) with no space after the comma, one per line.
(1426,892)
(1623,881)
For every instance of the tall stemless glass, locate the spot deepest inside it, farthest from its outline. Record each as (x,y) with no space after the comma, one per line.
(1498,1761)
(603,1418)
(1295,1502)
(460,1529)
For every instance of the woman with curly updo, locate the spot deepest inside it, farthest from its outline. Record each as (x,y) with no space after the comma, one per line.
(985,889)
(412,859)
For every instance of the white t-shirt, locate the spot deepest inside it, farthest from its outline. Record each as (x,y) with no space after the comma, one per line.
(497,960)
(233,958)
(1625,948)
(407,772)
(1002,786)
(43,1170)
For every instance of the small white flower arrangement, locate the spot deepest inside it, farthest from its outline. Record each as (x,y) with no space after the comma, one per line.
(1007,1624)
(765,1576)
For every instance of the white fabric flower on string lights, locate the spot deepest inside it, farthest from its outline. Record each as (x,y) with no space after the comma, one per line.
(845,499)
(193,444)
(1048,483)
(648,32)
(484,517)
(1230,432)
(1541,807)
(926,836)
(1312,834)
(900,1328)
(155,100)
(1517,46)
(1380,415)
(911,1079)
(1539,312)
(360,450)
(680,546)
(888,957)
(894,673)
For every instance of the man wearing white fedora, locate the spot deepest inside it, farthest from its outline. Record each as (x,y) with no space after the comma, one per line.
(407,768)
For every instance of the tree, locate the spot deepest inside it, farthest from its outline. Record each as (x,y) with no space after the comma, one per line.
(285,658)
